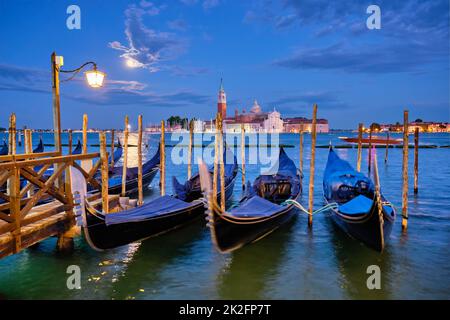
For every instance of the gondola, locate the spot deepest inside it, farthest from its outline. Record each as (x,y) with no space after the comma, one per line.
(357,211)
(78,148)
(117,152)
(158,216)
(40,147)
(4,149)
(261,211)
(149,170)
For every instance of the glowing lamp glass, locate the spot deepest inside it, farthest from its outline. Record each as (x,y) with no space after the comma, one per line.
(95,78)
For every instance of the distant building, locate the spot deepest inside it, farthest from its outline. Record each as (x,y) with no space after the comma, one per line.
(428,126)
(298,124)
(273,123)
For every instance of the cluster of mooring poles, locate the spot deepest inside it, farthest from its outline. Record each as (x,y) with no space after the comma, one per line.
(405,148)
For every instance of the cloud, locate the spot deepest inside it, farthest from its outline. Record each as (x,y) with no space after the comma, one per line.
(147,48)
(115,92)
(206,4)
(384,58)
(414,35)
(178,25)
(209,4)
(291,103)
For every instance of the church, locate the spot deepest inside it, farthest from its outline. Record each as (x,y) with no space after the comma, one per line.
(257,120)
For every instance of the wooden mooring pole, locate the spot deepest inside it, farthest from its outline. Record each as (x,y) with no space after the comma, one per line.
(301,152)
(28,150)
(85,126)
(358,162)
(369,165)
(387,148)
(112,148)
(105,168)
(162,164)
(189,151)
(312,164)
(140,187)
(216,157)
(125,158)
(243,154)
(416,160)
(378,196)
(222,166)
(70,141)
(405,172)
(28,141)
(12,134)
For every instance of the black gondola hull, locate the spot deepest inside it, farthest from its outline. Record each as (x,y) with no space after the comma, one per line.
(366,228)
(101,237)
(132,184)
(230,234)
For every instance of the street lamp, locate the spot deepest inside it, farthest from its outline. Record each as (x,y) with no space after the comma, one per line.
(94,79)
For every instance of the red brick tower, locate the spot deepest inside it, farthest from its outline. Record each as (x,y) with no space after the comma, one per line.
(222,101)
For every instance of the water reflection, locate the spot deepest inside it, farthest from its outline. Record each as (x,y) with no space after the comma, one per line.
(352,259)
(250,269)
(143,272)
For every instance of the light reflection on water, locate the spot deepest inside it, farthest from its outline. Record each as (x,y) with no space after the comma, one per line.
(292,263)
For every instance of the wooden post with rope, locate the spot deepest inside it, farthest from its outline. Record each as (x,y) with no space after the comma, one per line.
(358,162)
(70,141)
(405,172)
(28,150)
(416,160)
(112,148)
(301,152)
(11,183)
(125,158)
(387,148)
(104,170)
(85,125)
(216,157)
(378,196)
(189,151)
(370,148)
(139,146)
(243,154)
(162,164)
(222,166)
(312,164)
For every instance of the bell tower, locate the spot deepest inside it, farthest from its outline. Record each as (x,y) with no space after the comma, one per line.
(222,101)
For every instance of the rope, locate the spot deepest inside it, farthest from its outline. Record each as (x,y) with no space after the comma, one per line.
(332,205)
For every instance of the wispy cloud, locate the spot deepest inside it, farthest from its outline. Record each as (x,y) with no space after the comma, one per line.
(413,34)
(147,48)
(295,103)
(374,58)
(115,92)
(178,25)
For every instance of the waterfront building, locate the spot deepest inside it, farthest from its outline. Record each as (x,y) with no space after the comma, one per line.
(298,124)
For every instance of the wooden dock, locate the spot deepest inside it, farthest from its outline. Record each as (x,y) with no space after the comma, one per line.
(37,203)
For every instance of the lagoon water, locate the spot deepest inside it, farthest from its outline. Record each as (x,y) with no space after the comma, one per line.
(292,263)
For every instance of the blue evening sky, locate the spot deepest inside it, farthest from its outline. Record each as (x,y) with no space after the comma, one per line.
(287,54)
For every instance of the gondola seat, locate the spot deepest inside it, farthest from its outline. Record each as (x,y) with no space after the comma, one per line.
(255,207)
(157,207)
(358,205)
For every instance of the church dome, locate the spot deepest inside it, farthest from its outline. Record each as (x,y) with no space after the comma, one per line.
(256,109)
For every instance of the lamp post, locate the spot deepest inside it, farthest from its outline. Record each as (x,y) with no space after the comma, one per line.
(94,78)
